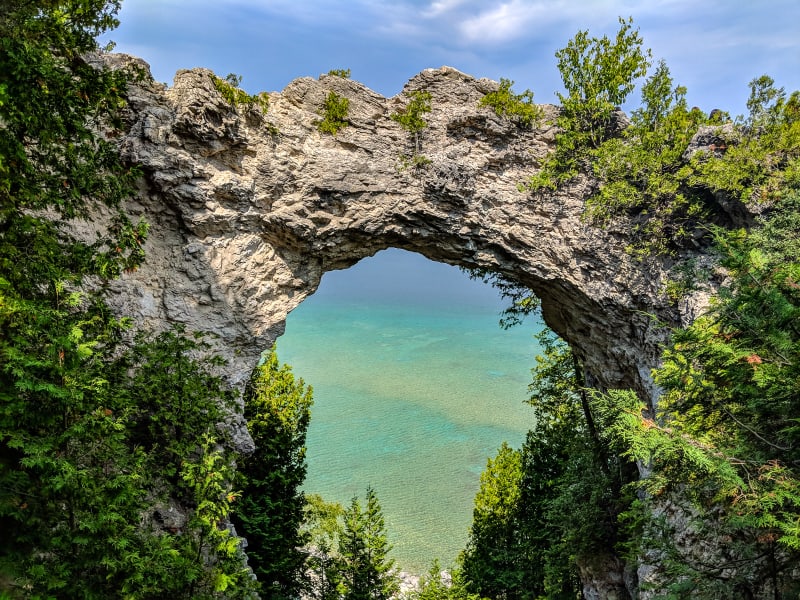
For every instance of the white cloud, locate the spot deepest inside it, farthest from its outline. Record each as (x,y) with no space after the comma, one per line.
(440,7)
(505,22)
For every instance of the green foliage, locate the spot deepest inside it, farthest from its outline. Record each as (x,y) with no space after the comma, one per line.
(76,479)
(517,107)
(49,157)
(522,302)
(726,438)
(645,176)
(667,197)
(526,540)
(173,398)
(598,75)
(235,96)
(640,171)
(277,408)
(433,586)
(348,550)
(493,563)
(343,73)
(730,369)
(685,277)
(365,567)
(322,526)
(70,486)
(415,161)
(321,522)
(209,480)
(410,118)
(762,160)
(92,435)
(675,197)
(567,464)
(334,113)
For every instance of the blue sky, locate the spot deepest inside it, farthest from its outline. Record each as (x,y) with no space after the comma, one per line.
(714,47)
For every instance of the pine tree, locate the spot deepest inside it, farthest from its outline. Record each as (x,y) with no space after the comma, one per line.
(490,563)
(322,523)
(366,569)
(277,408)
(79,429)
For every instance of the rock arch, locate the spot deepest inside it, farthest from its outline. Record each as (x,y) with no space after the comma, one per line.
(245,221)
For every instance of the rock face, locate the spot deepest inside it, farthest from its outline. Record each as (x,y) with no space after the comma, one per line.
(248,211)
(245,221)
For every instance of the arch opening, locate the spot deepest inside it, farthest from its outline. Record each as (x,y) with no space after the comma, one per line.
(416,386)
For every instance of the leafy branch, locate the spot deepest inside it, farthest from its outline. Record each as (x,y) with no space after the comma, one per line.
(235,96)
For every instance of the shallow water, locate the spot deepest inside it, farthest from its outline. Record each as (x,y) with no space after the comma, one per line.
(415,386)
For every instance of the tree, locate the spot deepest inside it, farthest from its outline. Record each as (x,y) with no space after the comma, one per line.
(598,75)
(277,409)
(410,117)
(79,431)
(517,107)
(334,112)
(493,563)
(437,585)
(322,526)
(526,540)
(366,569)
(723,446)
(68,481)
(637,170)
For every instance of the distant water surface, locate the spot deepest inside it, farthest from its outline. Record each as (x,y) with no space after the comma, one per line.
(415,386)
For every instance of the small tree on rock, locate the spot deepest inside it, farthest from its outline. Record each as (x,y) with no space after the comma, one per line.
(366,569)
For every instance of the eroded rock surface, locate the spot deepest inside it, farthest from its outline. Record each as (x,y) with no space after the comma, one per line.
(249,210)
(245,221)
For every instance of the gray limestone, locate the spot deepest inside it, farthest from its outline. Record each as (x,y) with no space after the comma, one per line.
(245,221)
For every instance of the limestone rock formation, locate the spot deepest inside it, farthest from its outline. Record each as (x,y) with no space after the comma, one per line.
(245,221)
(248,211)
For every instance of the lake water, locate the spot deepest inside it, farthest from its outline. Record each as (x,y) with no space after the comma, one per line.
(415,387)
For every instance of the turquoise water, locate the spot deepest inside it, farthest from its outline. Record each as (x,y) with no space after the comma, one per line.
(415,386)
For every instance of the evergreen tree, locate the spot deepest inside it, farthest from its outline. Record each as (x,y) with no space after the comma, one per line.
(410,117)
(436,585)
(493,562)
(277,408)
(366,569)
(80,432)
(70,486)
(322,524)
(526,540)
(724,447)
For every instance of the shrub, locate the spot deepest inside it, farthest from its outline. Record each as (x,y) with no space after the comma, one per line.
(517,107)
(334,112)
(235,96)
(343,73)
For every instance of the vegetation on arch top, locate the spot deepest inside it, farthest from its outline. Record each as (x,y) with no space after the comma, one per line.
(643,175)
(642,171)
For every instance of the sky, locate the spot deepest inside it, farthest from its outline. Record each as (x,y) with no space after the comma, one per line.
(713,47)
